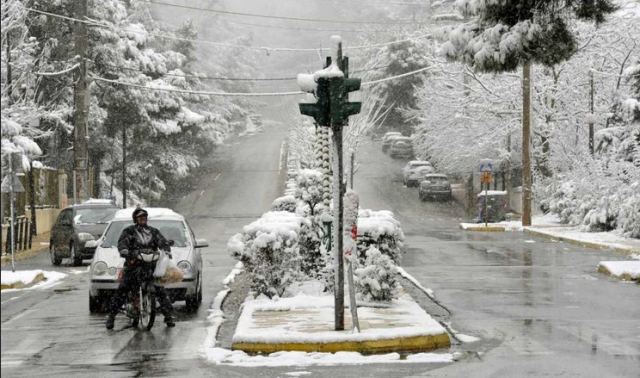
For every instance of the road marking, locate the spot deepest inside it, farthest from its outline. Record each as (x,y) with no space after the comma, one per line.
(217,176)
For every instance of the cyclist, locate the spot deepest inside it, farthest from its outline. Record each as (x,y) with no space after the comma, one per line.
(132,239)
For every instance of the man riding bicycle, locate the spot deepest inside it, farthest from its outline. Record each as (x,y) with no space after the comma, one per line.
(139,236)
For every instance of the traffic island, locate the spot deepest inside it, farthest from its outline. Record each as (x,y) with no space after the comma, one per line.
(491,227)
(305,323)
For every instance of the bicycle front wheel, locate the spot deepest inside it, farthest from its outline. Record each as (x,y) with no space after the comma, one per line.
(147,309)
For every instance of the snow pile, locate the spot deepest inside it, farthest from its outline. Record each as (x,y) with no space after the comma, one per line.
(309,188)
(269,249)
(299,359)
(626,270)
(21,279)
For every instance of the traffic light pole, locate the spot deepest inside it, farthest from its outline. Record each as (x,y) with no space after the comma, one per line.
(338,239)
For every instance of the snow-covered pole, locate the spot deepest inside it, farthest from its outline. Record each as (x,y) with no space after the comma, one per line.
(350,234)
(338,206)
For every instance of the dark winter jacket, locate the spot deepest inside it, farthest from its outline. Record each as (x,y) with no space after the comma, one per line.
(136,237)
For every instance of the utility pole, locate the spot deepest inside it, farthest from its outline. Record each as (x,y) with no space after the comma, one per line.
(332,109)
(591,112)
(124,167)
(526,142)
(9,78)
(80,148)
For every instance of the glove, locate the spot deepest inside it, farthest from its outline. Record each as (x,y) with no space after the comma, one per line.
(168,254)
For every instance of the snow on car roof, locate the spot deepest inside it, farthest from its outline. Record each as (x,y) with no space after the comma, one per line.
(98,201)
(440,175)
(154,213)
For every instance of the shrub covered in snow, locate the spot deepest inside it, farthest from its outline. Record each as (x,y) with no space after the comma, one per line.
(381,230)
(284,203)
(309,189)
(270,251)
(375,279)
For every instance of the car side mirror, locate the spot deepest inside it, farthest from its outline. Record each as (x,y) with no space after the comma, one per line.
(171,243)
(201,243)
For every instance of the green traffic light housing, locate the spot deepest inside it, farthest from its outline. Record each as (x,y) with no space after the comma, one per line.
(341,108)
(320,109)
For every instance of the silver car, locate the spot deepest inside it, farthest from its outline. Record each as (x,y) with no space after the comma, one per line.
(106,266)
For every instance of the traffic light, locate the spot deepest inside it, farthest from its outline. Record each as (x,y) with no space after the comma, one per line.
(320,109)
(341,108)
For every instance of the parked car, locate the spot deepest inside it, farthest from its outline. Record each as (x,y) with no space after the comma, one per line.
(106,266)
(411,167)
(415,177)
(435,186)
(75,226)
(401,148)
(388,138)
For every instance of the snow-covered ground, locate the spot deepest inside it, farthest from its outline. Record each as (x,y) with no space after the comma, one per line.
(621,269)
(26,277)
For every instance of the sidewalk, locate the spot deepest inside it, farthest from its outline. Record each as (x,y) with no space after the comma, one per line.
(39,244)
(305,323)
(549,226)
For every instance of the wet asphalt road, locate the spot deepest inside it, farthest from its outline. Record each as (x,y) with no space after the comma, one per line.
(538,306)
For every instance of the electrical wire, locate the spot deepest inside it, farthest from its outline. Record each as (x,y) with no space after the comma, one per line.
(232,13)
(249,94)
(231,45)
(222,78)
(72,68)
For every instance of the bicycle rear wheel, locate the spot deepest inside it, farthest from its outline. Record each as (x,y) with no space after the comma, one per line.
(147,309)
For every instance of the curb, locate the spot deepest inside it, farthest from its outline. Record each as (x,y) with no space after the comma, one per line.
(580,243)
(485,229)
(399,344)
(22,255)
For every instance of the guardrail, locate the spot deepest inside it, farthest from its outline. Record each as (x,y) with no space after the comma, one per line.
(22,234)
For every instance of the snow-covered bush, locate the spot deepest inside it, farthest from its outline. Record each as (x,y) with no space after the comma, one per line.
(309,189)
(381,230)
(284,203)
(269,249)
(376,278)
(313,258)
(629,215)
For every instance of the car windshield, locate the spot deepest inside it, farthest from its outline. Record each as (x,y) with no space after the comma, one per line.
(437,180)
(420,164)
(170,229)
(94,215)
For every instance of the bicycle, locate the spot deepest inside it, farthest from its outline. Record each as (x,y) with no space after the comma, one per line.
(141,306)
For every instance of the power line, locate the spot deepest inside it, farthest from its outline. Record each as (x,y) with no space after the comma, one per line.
(231,45)
(223,78)
(248,94)
(219,11)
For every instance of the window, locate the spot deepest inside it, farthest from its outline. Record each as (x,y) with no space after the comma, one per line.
(96,215)
(171,230)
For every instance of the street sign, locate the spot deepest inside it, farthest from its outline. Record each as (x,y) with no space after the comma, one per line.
(9,185)
(485,177)
(486,165)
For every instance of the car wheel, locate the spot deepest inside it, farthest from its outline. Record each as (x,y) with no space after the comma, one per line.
(95,304)
(77,260)
(55,260)
(193,301)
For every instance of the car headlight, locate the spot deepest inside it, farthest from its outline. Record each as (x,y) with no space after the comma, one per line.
(84,236)
(185,266)
(100,268)
(113,270)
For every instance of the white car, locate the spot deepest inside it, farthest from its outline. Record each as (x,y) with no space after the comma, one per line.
(411,167)
(106,266)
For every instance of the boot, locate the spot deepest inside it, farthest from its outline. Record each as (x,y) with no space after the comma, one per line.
(169,321)
(111,319)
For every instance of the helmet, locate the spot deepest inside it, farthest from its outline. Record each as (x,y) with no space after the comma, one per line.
(139,212)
